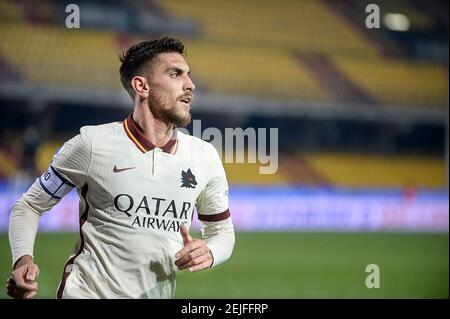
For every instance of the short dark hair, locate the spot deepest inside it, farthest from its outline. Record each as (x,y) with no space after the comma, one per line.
(140,55)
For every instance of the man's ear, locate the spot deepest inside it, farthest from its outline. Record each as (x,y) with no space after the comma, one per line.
(140,86)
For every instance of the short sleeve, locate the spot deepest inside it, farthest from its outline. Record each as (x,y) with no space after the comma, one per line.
(212,204)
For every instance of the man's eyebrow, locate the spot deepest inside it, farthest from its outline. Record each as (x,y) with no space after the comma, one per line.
(174,68)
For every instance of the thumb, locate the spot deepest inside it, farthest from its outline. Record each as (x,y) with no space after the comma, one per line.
(32,272)
(185,234)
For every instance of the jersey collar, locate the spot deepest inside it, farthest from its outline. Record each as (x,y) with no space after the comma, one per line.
(134,132)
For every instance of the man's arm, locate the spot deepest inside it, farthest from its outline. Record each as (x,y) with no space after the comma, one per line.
(24,220)
(23,226)
(67,170)
(218,237)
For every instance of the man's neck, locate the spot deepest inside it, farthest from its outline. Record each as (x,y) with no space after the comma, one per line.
(155,130)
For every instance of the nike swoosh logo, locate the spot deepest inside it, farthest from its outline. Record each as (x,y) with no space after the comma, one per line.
(118,170)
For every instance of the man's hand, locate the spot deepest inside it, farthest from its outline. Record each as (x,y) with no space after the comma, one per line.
(21,284)
(195,255)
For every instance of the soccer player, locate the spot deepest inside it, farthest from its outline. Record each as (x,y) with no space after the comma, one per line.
(138,181)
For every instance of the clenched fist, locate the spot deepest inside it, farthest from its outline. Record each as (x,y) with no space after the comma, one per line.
(21,284)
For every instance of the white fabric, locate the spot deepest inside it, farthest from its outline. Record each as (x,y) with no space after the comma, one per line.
(131,207)
(23,226)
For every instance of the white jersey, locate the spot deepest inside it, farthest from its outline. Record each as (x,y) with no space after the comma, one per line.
(133,199)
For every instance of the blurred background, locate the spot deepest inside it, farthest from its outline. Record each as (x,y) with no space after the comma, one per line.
(362,118)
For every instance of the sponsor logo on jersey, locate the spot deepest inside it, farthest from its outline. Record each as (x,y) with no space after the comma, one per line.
(154,212)
(118,170)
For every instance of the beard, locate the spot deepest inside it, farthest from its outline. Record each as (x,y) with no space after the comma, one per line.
(168,111)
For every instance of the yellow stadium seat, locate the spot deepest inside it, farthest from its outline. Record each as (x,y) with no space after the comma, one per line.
(361,170)
(395,82)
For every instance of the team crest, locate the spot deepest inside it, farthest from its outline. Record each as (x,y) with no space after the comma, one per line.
(188,179)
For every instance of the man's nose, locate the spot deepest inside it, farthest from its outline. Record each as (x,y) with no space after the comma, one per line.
(189,86)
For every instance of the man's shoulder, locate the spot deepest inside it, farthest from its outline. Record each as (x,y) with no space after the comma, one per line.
(197,143)
(95,132)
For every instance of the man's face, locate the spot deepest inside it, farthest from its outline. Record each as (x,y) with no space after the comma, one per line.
(171,89)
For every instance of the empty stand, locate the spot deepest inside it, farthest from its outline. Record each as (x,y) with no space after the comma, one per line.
(291,25)
(244,48)
(372,170)
(397,82)
(52,55)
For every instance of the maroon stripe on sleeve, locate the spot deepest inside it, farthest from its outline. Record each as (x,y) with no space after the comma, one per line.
(83,219)
(215,217)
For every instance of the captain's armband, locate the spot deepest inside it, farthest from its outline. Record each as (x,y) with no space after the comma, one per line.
(54,184)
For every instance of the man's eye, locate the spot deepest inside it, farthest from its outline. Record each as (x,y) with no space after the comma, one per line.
(174,74)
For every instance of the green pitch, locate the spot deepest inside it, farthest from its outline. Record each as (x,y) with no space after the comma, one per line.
(290,265)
